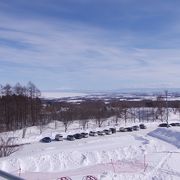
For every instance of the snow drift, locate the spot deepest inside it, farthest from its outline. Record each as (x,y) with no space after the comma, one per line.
(56,161)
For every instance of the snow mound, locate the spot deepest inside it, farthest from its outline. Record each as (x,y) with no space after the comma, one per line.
(56,160)
(170,135)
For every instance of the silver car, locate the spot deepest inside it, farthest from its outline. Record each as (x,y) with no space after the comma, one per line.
(70,138)
(101,133)
(93,133)
(59,137)
(107,132)
(122,129)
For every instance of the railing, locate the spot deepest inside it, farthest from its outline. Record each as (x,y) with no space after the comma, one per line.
(9,176)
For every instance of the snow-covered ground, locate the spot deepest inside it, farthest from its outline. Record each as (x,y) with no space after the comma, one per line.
(118,156)
(79,95)
(55,95)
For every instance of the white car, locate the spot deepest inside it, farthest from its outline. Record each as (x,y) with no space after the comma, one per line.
(59,137)
(93,133)
(101,133)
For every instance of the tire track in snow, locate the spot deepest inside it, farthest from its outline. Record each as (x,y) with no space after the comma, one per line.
(160,165)
(169,170)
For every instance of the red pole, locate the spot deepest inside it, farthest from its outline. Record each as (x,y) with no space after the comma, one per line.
(113,165)
(144,162)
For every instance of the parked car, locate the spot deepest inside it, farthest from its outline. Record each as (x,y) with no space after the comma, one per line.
(164,125)
(122,129)
(93,133)
(85,135)
(78,136)
(101,133)
(142,126)
(107,131)
(70,138)
(135,128)
(46,140)
(175,124)
(129,129)
(113,130)
(59,137)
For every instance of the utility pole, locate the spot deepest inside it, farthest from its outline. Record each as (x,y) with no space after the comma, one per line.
(166,94)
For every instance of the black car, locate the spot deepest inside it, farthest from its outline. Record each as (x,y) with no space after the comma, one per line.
(164,125)
(113,130)
(129,129)
(46,140)
(78,136)
(175,124)
(135,128)
(142,126)
(84,135)
(70,138)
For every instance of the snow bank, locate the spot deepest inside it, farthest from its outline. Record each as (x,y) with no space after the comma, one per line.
(170,135)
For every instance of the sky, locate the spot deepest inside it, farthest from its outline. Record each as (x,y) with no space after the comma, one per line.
(90,44)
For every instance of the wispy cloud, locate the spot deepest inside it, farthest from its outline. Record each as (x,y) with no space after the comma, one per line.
(57,52)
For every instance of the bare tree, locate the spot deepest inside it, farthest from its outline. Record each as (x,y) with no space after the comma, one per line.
(160,107)
(84,123)
(7,90)
(67,118)
(7,146)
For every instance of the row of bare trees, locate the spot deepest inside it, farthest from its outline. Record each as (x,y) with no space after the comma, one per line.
(99,111)
(20,106)
(69,112)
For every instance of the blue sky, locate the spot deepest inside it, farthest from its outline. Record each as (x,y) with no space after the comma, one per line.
(90,44)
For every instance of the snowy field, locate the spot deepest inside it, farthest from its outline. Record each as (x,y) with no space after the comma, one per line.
(76,96)
(55,95)
(152,153)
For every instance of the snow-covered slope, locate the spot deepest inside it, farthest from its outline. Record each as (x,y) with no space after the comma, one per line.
(119,156)
(170,135)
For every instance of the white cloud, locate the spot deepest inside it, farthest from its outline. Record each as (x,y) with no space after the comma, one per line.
(86,56)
